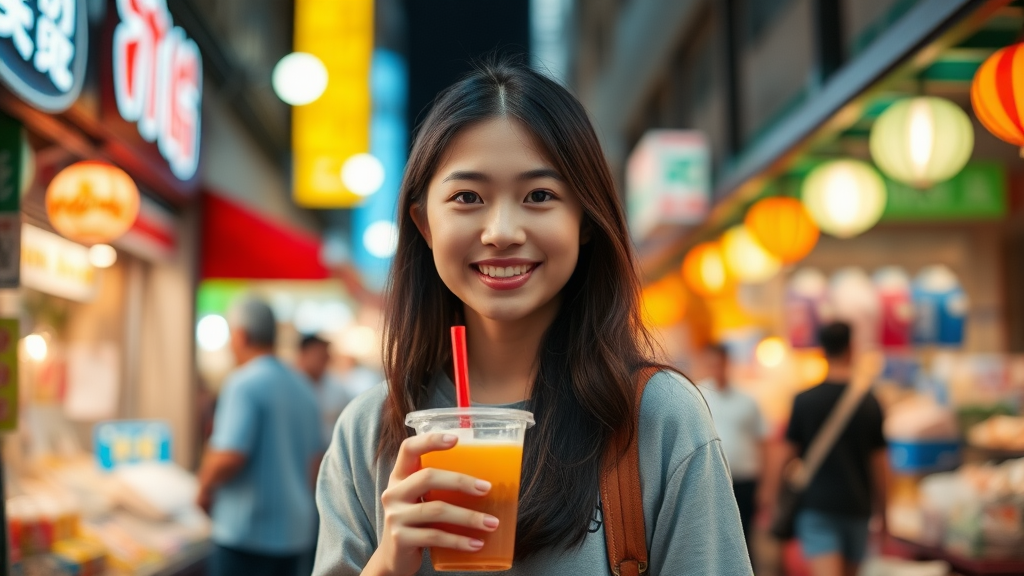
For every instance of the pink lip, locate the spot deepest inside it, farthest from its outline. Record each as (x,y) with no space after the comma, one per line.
(510,283)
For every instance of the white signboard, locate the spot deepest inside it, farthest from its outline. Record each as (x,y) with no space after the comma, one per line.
(668,181)
(56,266)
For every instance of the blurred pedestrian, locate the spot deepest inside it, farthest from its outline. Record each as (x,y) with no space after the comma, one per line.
(331,393)
(741,428)
(836,508)
(257,475)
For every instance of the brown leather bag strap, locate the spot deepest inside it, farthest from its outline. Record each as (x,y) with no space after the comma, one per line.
(622,504)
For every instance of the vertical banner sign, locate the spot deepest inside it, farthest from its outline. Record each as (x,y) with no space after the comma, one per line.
(8,374)
(668,181)
(158,81)
(43,50)
(10,200)
(336,126)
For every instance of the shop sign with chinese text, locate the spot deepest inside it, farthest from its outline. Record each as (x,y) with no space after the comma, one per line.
(668,181)
(158,81)
(43,50)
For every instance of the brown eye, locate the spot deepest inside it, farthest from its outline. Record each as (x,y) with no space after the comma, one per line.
(538,196)
(466,197)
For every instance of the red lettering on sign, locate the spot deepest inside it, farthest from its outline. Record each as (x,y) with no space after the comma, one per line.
(158,81)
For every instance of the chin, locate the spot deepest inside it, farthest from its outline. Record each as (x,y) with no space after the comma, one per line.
(510,310)
(504,313)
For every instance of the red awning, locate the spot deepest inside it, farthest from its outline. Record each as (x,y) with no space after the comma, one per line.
(239,243)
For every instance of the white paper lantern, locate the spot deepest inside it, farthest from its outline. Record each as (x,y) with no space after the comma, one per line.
(922,141)
(844,197)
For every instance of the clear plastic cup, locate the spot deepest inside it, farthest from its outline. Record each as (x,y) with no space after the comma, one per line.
(490,448)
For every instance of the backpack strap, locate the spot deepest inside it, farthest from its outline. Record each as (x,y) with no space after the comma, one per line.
(622,505)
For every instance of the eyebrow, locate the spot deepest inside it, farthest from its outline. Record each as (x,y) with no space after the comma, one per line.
(481,177)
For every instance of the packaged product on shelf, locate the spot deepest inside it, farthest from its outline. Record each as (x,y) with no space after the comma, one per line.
(922,436)
(998,433)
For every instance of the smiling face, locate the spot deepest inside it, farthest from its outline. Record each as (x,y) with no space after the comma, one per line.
(503,225)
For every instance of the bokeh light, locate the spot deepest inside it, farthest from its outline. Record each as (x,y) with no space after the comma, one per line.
(299,78)
(212,332)
(363,174)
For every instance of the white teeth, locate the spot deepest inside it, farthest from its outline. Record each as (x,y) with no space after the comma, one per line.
(506,272)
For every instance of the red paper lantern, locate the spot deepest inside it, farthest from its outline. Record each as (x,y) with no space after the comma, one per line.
(92,202)
(997,88)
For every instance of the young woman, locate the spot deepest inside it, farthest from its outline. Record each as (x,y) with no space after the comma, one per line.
(509,223)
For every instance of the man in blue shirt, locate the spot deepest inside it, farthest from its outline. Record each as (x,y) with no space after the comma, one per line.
(258,473)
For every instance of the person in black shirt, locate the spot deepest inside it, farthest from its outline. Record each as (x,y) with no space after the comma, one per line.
(835,509)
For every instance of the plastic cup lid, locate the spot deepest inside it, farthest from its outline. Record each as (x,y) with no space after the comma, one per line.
(480,412)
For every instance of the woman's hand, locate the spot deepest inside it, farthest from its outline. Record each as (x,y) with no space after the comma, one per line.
(408,520)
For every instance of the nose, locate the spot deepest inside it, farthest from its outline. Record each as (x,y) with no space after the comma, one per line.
(504,226)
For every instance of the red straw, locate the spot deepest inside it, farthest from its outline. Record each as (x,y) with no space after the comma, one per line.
(461,366)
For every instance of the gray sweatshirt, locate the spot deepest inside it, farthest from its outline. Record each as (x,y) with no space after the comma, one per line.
(693,525)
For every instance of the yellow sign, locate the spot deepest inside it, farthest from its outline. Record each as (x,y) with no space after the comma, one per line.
(335,126)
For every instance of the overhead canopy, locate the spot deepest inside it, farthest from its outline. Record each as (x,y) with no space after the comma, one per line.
(239,243)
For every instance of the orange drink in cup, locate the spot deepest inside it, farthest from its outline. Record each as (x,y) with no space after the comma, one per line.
(490,448)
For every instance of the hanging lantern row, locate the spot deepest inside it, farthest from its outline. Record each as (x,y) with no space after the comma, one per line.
(921,142)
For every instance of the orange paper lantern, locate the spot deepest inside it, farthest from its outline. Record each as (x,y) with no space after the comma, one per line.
(783,227)
(664,302)
(997,88)
(92,202)
(704,270)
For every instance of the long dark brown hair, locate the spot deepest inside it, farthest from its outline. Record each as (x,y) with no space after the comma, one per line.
(585,383)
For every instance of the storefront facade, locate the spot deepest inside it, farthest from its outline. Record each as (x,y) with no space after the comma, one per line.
(121,84)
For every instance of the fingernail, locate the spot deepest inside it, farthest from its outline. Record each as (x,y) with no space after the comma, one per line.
(483,485)
(449,438)
(490,521)
(478,544)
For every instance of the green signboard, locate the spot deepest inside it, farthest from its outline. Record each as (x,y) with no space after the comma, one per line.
(10,164)
(978,192)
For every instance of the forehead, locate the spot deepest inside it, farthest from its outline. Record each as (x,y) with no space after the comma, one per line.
(496,145)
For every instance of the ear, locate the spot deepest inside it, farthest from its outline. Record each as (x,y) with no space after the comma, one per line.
(419,217)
